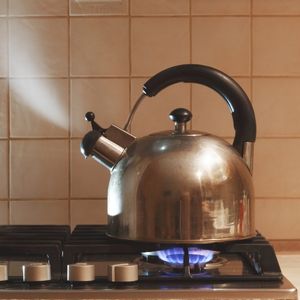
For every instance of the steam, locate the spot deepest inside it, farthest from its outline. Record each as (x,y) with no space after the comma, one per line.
(33,95)
(44,97)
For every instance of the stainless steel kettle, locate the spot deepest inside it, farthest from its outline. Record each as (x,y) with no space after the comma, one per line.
(180,186)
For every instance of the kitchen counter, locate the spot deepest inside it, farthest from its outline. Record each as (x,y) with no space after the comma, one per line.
(290,267)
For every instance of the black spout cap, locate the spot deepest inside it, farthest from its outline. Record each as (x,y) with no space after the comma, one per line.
(88,142)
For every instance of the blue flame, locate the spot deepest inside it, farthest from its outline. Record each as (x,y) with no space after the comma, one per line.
(176,256)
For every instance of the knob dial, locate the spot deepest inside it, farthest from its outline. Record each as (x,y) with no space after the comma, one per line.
(3,272)
(36,272)
(80,272)
(125,272)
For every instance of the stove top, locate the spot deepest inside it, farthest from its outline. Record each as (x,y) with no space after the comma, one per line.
(50,262)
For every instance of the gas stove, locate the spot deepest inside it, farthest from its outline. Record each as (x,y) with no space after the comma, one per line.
(51,262)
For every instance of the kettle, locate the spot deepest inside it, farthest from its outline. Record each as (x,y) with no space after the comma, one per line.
(179,186)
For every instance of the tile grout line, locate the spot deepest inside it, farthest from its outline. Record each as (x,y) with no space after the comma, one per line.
(251,51)
(190,58)
(258,198)
(57,199)
(154,16)
(8,119)
(70,118)
(269,198)
(80,137)
(145,76)
(129,60)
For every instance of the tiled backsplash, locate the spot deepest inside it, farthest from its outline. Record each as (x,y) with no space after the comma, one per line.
(60,58)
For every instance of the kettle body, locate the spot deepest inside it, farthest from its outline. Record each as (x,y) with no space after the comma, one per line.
(181,186)
(181,189)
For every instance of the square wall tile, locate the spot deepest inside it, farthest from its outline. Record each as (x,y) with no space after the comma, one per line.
(106,7)
(38,7)
(158,43)
(88,212)
(153,113)
(289,261)
(278,218)
(3,212)
(4,170)
(277,168)
(39,169)
(33,212)
(221,7)
(108,98)
(223,43)
(3,47)
(44,44)
(99,46)
(162,7)
(3,7)
(89,179)
(210,111)
(276,7)
(276,105)
(39,107)
(274,51)
(3,108)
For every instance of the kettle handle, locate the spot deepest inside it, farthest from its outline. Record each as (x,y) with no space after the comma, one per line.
(237,100)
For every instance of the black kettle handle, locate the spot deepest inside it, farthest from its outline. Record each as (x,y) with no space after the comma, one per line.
(237,100)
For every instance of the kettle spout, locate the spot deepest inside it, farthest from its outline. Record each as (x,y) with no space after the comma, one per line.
(106,146)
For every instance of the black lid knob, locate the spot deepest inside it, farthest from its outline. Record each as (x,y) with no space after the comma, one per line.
(180,115)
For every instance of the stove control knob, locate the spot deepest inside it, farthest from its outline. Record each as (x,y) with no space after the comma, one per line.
(3,272)
(35,272)
(80,272)
(124,272)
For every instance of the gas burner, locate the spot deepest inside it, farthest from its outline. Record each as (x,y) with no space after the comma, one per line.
(154,263)
(186,261)
(156,267)
(176,257)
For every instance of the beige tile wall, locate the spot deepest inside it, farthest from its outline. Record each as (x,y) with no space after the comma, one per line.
(60,58)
